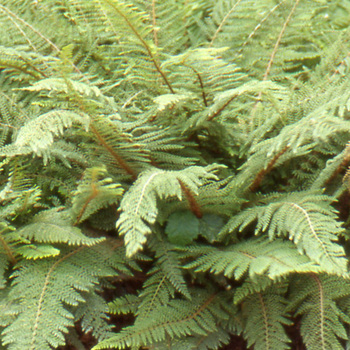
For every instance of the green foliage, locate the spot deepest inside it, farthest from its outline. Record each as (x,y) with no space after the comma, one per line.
(181,165)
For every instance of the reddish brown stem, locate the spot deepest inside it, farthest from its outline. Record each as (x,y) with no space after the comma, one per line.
(261,174)
(121,162)
(91,197)
(8,250)
(194,206)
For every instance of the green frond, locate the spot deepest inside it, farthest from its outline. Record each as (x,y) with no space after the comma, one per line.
(211,134)
(38,134)
(265,315)
(93,316)
(124,305)
(42,291)
(314,297)
(253,258)
(169,263)
(139,204)
(306,218)
(55,226)
(178,318)
(95,191)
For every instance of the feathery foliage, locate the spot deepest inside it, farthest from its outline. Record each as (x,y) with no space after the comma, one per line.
(183,166)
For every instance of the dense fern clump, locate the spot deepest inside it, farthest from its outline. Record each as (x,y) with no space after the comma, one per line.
(174,174)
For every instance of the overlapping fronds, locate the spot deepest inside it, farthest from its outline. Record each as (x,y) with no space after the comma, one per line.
(315,298)
(213,136)
(52,286)
(139,205)
(177,319)
(305,218)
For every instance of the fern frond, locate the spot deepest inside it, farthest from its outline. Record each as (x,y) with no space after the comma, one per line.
(38,134)
(306,218)
(43,289)
(178,318)
(314,297)
(92,315)
(264,315)
(95,191)
(253,258)
(139,204)
(55,226)
(169,263)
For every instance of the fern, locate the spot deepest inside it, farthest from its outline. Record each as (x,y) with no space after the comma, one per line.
(48,301)
(315,298)
(183,166)
(180,318)
(253,257)
(138,207)
(300,217)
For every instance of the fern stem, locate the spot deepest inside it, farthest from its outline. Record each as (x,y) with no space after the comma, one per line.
(144,44)
(91,197)
(204,96)
(154,23)
(12,15)
(194,206)
(7,249)
(272,57)
(121,162)
(258,26)
(223,22)
(261,174)
(266,321)
(43,291)
(322,330)
(211,117)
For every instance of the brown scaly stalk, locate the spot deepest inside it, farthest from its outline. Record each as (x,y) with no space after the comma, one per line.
(7,249)
(143,42)
(223,22)
(204,96)
(120,161)
(273,54)
(194,206)
(261,174)
(92,196)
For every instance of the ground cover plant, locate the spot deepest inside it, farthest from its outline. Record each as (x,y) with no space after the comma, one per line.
(174,174)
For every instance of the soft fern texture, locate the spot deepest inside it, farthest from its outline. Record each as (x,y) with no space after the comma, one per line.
(180,165)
